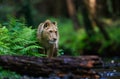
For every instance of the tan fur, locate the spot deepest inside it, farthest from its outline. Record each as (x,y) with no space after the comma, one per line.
(48,37)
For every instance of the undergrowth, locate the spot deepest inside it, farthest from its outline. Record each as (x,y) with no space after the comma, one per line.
(6,74)
(18,39)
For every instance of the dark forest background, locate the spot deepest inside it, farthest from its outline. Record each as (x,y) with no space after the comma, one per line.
(85,26)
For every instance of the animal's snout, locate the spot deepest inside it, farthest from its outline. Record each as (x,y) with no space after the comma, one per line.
(54,39)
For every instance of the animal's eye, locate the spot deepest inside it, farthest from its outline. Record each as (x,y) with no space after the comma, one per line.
(55,31)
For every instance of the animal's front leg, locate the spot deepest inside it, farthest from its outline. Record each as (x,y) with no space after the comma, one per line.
(50,53)
(55,52)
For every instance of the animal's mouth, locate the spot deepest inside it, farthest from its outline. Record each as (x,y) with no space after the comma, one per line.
(52,42)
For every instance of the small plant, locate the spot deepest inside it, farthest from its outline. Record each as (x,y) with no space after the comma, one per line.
(6,74)
(71,39)
(4,40)
(18,39)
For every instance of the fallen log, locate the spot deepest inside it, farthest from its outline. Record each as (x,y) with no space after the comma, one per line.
(41,66)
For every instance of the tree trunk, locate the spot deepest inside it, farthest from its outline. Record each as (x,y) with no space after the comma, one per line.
(87,21)
(102,29)
(73,14)
(34,66)
(92,13)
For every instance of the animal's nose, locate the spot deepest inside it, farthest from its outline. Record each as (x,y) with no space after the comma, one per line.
(54,39)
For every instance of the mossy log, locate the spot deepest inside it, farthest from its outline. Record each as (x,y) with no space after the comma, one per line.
(41,66)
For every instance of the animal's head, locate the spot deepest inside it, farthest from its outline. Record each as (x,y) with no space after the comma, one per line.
(50,32)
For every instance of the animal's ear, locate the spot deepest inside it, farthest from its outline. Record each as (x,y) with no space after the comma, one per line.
(47,23)
(55,23)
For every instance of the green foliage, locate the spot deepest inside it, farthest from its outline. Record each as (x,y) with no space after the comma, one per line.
(18,39)
(6,74)
(114,31)
(4,40)
(69,38)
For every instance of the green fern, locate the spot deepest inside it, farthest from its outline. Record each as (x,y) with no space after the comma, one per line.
(4,38)
(18,39)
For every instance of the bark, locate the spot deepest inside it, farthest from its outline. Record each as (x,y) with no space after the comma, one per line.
(100,25)
(93,17)
(87,21)
(40,66)
(73,14)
